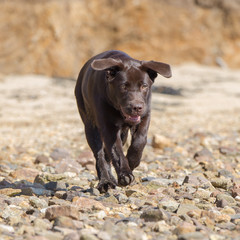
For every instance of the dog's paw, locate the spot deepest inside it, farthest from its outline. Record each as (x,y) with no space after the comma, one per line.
(104,185)
(125,179)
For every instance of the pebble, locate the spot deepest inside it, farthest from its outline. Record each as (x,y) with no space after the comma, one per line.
(162,182)
(30,191)
(228,210)
(11,192)
(122,198)
(195,213)
(225,173)
(41,159)
(88,237)
(26,229)
(161,226)
(72,236)
(50,235)
(235,190)
(192,236)
(6,228)
(168,205)
(134,193)
(152,215)
(94,191)
(86,204)
(202,194)
(86,158)
(229,226)
(56,186)
(110,200)
(185,208)
(222,218)
(222,203)
(11,211)
(42,224)
(216,237)
(203,155)
(55,211)
(184,228)
(225,200)
(37,202)
(161,142)
(68,165)
(198,180)
(63,230)
(221,182)
(60,194)
(104,235)
(65,222)
(28,174)
(59,154)
(235,216)
(69,195)
(48,177)
(56,201)
(228,151)
(205,205)
(101,214)
(136,202)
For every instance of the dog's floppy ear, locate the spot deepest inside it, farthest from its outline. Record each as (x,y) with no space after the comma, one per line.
(105,63)
(153,67)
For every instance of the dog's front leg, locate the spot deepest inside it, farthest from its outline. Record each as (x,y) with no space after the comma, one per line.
(103,166)
(113,146)
(139,140)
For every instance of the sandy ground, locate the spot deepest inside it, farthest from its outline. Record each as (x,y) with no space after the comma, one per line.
(41,113)
(210,98)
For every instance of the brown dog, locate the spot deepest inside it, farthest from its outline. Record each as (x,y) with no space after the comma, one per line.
(113,93)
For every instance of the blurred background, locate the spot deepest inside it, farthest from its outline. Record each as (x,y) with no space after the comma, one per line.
(55,37)
(189,177)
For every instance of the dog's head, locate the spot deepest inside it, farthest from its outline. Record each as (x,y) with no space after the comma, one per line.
(129,84)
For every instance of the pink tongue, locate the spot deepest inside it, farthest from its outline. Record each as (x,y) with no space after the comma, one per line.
(134,118)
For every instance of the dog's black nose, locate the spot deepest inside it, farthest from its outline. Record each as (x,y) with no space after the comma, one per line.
(138,108)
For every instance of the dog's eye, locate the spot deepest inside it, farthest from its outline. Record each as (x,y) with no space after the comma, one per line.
(124,87)
(144,87)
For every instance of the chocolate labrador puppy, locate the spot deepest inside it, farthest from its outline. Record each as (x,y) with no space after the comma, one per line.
(113,93)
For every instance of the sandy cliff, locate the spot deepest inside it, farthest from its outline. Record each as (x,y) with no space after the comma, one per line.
(56,37)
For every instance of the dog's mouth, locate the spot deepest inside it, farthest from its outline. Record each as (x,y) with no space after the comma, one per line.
(134,119)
